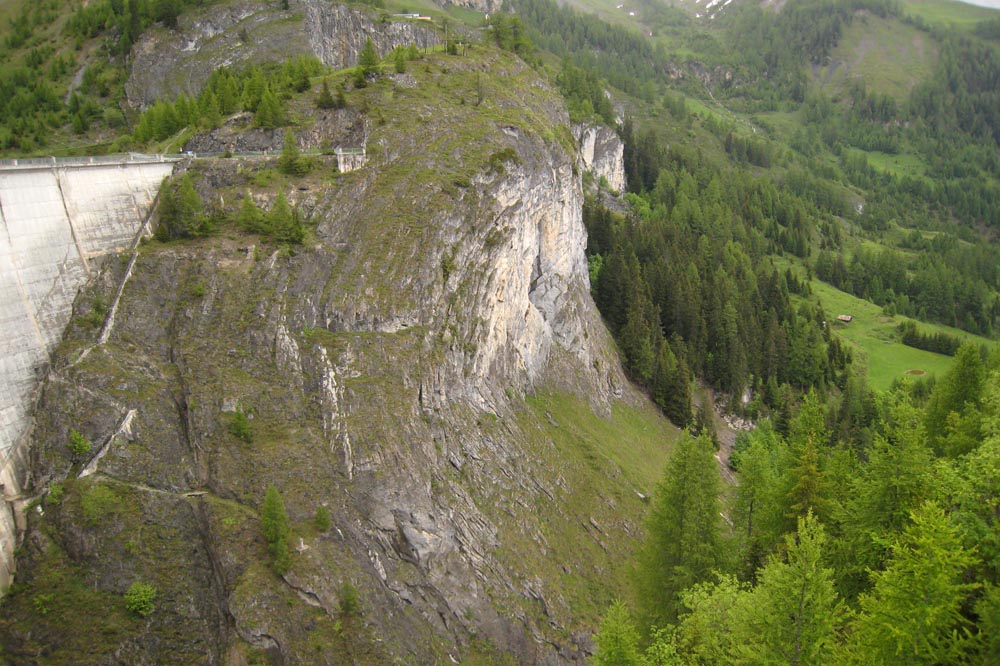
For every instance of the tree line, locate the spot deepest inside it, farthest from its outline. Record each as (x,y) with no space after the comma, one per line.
(867,534)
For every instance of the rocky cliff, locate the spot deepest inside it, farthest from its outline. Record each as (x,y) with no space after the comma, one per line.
(243,32)
(602,152)
(428,368)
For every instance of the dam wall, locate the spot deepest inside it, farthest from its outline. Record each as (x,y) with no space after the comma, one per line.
(59,218)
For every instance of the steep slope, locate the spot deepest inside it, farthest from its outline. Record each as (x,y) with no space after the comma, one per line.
(429,368)
(242,32)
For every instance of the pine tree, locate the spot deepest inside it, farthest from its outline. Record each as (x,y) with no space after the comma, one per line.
(913,614)
(359,81)
(250,217)
(211,115)
(880,498)
(711,624)
(291,161)
(671,387)
(181,211)
(325,99)
(275,525)
(958,392)
(756,511)
(190,206)
(283,222)
(253,90)
(617,640)
(368,59)
(270,113)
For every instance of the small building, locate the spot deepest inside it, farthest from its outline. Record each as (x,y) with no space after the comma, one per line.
(845,318)
(350,159)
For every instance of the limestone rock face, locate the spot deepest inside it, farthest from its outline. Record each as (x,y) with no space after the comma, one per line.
(386,369)
(602,151)
(234,34)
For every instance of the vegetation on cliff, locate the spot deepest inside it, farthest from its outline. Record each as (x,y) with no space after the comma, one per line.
(436,483)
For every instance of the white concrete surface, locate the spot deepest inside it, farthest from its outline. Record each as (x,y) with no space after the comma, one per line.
(56,223)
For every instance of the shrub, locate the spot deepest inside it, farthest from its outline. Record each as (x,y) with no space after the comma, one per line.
(139,599)
(42,602)
(56,493)
(79,446)
(98,502)
(322,520)
(240,427)
(349,603)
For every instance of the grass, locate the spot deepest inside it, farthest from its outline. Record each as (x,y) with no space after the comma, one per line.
(898,165)
(466,15)
(875,342)
(637,441)
(889,55)
(591,515)
(949,13)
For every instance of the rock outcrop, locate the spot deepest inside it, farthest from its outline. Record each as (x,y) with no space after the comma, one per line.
(392,371)
(166,63)
(602,151)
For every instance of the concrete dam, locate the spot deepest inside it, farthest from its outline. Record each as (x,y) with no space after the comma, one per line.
(59,219)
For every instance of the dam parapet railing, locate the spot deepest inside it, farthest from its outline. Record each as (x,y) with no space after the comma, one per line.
(88,160)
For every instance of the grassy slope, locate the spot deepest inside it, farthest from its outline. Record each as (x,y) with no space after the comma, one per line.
(949,12)
(876,344)
(603,464)
(889,55)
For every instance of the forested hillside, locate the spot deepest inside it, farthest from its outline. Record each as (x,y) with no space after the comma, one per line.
(862,525)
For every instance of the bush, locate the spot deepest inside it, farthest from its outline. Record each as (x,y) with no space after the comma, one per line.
(98,502)
(322,520)
(240,427)
(350,606)
(78,444)
(139,599)
(43,603)
(56,493)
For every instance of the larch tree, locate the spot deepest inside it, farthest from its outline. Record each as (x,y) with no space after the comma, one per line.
(913,614)
(793,613)
(683,543)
